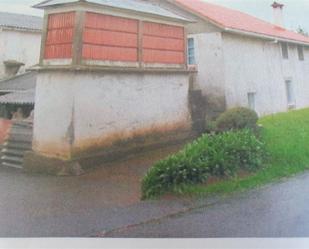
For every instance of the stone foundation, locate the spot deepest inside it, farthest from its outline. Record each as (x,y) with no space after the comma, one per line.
(39,164)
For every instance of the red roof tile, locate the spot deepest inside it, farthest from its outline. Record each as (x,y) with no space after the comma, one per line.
(233,19)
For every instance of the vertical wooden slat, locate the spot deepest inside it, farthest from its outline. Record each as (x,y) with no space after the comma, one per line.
(110,38)
(58,41)
(164,44)
(140,43)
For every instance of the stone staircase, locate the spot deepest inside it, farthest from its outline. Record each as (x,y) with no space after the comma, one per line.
(18,141)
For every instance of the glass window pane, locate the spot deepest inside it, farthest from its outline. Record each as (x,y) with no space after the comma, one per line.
(285,50)
(300,50)
(191,51)
(290,92)
(251,100)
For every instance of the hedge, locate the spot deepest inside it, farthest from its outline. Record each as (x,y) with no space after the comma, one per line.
(210,155)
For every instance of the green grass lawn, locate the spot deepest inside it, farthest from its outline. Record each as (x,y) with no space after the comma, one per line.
(287,139)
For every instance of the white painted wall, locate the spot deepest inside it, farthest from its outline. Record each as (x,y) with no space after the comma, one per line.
(255,65)
(210,78)
(21,46)
(208,56)
(105,108)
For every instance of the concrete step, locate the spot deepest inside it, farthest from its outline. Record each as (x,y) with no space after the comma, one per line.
(22,124)
(12,165)
(19,129)
(21,132)
(23,140)
(18,141)
(14,152)
(17,144)
(21,136)
(14,159)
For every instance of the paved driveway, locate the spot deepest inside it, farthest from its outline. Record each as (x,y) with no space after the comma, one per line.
(39,206)
(277,210)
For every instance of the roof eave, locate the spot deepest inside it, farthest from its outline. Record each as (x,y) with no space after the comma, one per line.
(39,5)
(231,30)
(83,2)
(179,5)
(262,36)
(3,27)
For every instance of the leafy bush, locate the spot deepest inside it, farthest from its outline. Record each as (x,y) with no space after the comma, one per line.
(236,119)
(170,174)
(210,155)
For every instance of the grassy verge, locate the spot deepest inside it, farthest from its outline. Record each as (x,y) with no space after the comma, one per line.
(287,139)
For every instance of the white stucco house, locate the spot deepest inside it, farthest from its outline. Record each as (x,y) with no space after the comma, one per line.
(20,41)
(112,79)
(244,61)
(117,77)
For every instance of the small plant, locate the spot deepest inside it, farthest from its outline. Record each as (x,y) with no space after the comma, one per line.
(210,155)
(236,119)
(169,174)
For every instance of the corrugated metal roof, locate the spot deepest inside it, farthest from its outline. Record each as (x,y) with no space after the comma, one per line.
(134,5)
(19,21)
(24,97)
(19,83)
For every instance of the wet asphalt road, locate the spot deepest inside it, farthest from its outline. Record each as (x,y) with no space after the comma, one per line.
(277,210)
(108,197)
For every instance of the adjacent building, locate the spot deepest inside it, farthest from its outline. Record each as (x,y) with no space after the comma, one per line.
(244,61)
(116,77)
(20,39)
(17,92)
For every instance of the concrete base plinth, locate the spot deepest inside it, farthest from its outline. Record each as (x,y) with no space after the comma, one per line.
(35,163)
(87,160)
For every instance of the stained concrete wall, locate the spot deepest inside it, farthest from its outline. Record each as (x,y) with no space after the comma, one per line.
(209,60)
(20,46)
(210,78)
(78,113)
(256,65)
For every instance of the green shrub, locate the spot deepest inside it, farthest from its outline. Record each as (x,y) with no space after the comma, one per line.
(170,174)
(236,119)
(210,155)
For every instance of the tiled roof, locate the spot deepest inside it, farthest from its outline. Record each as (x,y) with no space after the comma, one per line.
(19,21)
(232,19)
(24,97)
(19,83)
(134,5)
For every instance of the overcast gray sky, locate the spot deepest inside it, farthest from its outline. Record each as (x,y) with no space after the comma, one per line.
(296,12)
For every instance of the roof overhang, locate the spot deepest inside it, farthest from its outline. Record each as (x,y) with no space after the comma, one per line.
(173,17)
(19,29)
(20,98)
(218,25)
(44,4)
(265,37)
